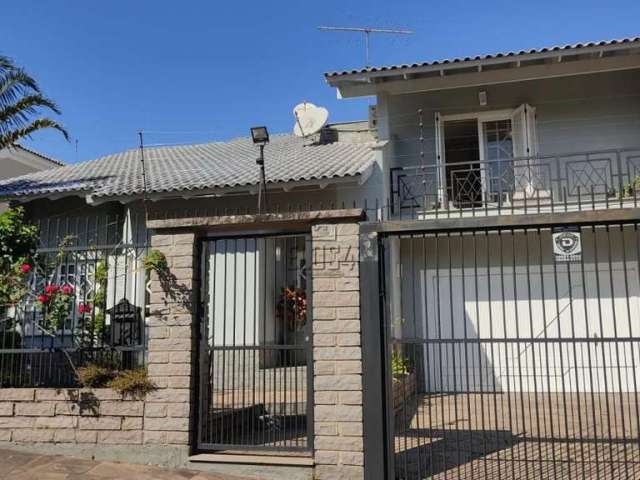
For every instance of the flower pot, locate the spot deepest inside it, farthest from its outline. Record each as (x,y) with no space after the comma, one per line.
(404,394)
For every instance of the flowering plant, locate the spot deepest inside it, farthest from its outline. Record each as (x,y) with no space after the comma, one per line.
(18,240)
(43,298)
(292,308)
(84,308)
(56,303)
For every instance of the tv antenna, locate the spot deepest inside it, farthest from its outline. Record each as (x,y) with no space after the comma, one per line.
(366,31)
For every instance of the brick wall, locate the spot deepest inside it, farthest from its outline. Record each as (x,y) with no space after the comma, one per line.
(337,352)
(171,347)
(82,416)
(103,416)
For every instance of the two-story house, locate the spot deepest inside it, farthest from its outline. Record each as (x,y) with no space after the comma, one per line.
(512,274)
(448,289)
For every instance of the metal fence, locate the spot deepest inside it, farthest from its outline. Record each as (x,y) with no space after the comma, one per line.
(537,184)
(255,354)
(84,302)
(508,357)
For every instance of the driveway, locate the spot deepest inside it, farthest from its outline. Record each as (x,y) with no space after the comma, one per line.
(16,465)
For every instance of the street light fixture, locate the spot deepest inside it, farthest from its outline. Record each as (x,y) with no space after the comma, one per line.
(260,137)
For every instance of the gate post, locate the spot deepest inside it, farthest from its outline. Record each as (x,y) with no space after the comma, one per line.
(171,345)
(337,352)
(376,463)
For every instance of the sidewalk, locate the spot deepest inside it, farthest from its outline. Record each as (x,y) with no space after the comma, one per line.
(16,465)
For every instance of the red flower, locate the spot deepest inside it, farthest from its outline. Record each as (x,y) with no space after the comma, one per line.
(84,308)
(51,289)
(67,290)
(43,298)
(25,268)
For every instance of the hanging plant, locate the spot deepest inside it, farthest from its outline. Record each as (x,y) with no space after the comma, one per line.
(155,261)
(292,308)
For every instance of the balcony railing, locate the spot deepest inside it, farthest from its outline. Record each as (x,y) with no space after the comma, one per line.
(540,184)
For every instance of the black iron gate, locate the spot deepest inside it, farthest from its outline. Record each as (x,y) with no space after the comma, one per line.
(255,350)
(513,352)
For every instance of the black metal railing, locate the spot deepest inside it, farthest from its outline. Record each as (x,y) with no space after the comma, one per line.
(255,354)
(83,301)
(505,361)
(538,184)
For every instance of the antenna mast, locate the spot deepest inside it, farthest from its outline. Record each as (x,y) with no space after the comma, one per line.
(144,175)
(366,31)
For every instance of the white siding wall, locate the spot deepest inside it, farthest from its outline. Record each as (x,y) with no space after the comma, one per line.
(240,298)
(574,114)
(482,300)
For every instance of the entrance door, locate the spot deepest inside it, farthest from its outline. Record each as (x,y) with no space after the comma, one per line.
(462,168)
(255,347)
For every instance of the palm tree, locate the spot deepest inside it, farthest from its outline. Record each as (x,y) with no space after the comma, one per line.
(21,100)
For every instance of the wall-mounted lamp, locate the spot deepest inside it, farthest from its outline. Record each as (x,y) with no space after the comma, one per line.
(482,98)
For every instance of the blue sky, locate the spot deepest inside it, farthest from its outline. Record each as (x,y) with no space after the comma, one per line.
(196,71)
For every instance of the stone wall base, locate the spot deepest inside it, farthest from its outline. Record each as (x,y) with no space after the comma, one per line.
(262,472)
(169,456)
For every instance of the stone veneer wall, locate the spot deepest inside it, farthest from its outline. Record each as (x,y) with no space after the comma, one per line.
(337,352)
(102,416)
(70,416)
(172,339)
(163,419)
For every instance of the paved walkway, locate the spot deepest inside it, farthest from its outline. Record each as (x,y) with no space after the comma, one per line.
(16,465)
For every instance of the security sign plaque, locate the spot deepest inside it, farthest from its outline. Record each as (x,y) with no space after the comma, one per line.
(567,244)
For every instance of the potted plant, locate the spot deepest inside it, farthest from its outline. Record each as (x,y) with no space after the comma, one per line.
(404,389)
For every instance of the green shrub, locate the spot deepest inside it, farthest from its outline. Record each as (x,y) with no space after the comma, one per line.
(95,376)
(133,382)
(18,237)
(18,241)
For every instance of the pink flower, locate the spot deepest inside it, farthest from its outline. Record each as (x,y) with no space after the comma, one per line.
(84,308)
(43,298)
(67,290)
(25,268)
(50,289)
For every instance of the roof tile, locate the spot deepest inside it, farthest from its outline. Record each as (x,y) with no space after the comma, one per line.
(194,167)
(574,46)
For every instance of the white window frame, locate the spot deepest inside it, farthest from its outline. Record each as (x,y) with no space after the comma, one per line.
(480,117)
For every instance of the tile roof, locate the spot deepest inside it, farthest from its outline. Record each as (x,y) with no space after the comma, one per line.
(543,50)
(194,167)
(41,155)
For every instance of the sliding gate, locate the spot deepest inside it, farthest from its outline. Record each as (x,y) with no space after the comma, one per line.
(255,349)
(513,353)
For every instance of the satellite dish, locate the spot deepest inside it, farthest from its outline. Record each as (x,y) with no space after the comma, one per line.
(309,119)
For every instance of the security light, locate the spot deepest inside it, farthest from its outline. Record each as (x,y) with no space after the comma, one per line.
(260,135)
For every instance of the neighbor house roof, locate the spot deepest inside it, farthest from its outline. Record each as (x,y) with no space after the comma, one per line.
(44,157)
(501,56)
(187,168)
